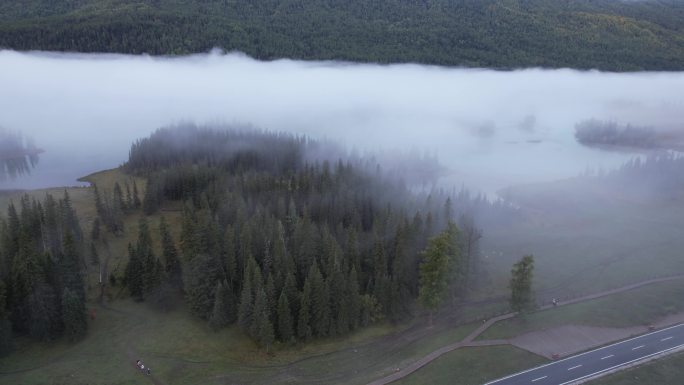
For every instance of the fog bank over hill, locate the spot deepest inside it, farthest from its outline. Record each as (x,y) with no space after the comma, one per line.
(489,128)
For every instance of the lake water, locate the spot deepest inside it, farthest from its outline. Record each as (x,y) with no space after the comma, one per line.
(491,128)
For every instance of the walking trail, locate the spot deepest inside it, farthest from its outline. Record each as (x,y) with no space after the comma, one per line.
(469,341)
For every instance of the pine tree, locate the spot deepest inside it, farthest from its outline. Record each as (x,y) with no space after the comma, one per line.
(70,221)
(354,299)
(285,323)
(6,338)
(230,258)
(522,299)
(458,269)
(94,257)
(221,313)
(136,197)
(188,246)
(203,273)
(70,268)
(43,313)
(271,296)
(129,197)
(99,206)
(434,273)
(95,232)
(339,303)
(246,311)
(470,249)
(134,274)
(51,226)
(118,197)
(73,315)
(151,199)
(304,332)
(293,295)
(117,210)
(262,327)
(281,259)
(172,265)
(320,306)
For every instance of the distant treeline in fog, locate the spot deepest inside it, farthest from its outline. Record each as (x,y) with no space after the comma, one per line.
(17,155)
(608,134)
(658,176)
(604,34)
(289,246)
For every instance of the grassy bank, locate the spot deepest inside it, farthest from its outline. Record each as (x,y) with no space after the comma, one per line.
(473,366)
(635,307)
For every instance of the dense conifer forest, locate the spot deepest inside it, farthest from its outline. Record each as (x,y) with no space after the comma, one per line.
(290,238)
(604,34)
(289,246)
(42,290)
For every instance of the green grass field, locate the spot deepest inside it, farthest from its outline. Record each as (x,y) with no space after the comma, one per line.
(586,243)
(635,307)
(473,366)
(183,350)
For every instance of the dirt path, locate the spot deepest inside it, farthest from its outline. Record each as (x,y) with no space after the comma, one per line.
(470,339)
(467,341)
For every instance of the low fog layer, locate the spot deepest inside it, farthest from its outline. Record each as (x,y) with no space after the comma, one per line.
(490,128)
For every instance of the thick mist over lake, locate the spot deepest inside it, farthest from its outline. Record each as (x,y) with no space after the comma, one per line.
(490,128)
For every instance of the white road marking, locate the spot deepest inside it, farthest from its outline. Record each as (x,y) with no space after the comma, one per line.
(666,338)
(540,378)
(575,367)
(622,364)
(638,347)
(603,358)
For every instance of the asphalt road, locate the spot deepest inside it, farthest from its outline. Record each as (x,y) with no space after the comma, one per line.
(597,361)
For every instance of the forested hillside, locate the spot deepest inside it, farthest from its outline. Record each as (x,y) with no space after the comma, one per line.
(604,34)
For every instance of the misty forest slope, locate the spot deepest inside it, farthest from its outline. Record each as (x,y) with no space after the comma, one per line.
(603,34)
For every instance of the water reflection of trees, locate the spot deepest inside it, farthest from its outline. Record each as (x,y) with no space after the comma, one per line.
(18,155)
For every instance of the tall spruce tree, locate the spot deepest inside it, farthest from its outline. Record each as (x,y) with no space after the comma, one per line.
(136,197)
(73,315)
(43,313)
(172,264)
(6,337)
(434,270)
(522,299)
(203,272)
(262,327)
(320,303)
(354,299)
(246,310)
(223,312)
(70,268)
(134,274)
(285,322)
(304,331)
